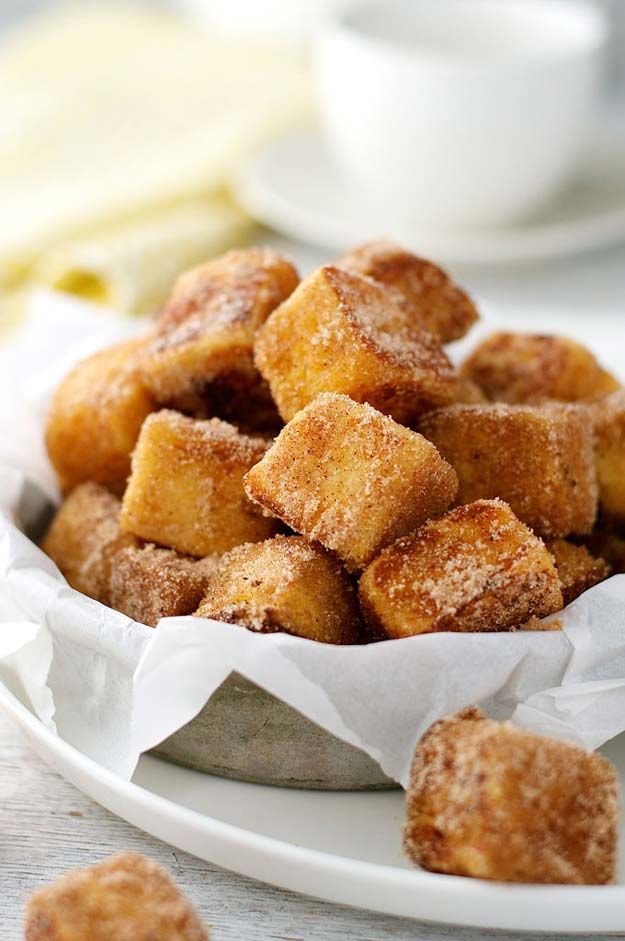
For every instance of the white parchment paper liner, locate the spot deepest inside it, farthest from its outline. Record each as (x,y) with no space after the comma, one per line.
(114,688)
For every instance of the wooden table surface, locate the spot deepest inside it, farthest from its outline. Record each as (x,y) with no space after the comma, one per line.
(48,827)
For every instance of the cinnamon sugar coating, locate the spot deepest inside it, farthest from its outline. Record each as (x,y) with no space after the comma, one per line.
(95,417)
(186,487)
(525,367)
(442,307)
(609,425)
(492,801)
(539,459)
(206,331)
(478,568)
(84,537)
(348,477)
(148,583)
(126,898)
(284,584)
(340,332)
(577,569)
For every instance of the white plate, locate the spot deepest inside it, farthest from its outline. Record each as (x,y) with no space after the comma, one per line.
(340,847)
(295,187)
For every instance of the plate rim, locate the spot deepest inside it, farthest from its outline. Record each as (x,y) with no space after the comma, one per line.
(505,245)
(407,893)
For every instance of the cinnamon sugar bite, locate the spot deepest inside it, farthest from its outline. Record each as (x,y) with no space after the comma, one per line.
(285,584)
(526,367)
(538,458)
(126,898)
(348,477)
(148,583)
(95,416)
(206,330)
(578,570)
(492,801)
(84,538)
(343,333)
(440,306)
(478,568)
(186,486)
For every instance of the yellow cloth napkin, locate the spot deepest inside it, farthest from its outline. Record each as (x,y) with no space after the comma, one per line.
(119,127)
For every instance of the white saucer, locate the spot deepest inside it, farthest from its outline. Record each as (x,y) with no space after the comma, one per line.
(294,186)
(340,847)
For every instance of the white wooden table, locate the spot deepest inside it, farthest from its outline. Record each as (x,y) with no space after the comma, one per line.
(48,827)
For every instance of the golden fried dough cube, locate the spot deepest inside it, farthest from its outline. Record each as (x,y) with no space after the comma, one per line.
(577,569)
(610,547)
(148,583)
(84,537)
(538,458)
(206,331)
(126,897)
(526,367)
(493,801)
(350,478)
(478,568)
(342,333)
(443,308)
(95,417)
(186,487)
(609,424)
(284,584)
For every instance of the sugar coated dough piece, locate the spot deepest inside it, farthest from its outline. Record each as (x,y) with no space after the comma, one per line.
(186,487)
(205,334)
(284,584)
(577,569)
(350,478)
(525,367)
(84,537)
(126,898)
(538,458)
(478,568)
(95,416)
(148,583)
(441,306)
(492,801)
(343,333)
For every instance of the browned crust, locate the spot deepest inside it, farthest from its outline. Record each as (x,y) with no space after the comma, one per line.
(285,584)
(126,898)
(439,304)
(347,334)
(478,568)
(526,368)
(538,458)
(577,569)
(493,801)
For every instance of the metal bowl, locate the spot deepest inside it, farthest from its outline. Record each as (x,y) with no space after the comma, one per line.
(247,734)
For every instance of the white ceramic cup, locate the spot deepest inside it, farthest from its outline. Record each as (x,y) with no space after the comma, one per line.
(460,112)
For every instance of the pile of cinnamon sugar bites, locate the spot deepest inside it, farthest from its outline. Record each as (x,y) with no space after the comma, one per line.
(302,456)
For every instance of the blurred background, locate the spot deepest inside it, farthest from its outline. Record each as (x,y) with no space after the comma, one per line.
(138,139)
